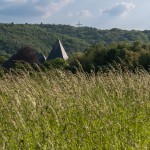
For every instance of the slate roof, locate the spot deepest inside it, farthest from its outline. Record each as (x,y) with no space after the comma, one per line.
(41,57)
(58,51)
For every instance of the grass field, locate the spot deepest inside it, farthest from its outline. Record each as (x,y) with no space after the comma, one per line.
(62,111)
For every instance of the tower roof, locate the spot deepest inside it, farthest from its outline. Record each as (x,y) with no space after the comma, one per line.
(41,57)
(58,51)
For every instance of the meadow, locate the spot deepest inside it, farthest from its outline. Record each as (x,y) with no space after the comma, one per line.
(58,110)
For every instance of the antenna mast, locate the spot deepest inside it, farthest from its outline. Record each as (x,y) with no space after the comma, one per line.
(79,24)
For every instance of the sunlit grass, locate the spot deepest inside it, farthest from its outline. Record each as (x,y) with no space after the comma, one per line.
(60,110)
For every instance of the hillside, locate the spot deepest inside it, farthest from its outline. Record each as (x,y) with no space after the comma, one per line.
(43,36)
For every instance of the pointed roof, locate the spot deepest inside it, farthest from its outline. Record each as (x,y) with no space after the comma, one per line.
(58,51)
(41,57)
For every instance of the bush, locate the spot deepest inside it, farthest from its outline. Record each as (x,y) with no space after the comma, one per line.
(56,63)
(102,56)
(1,71)
(3,59)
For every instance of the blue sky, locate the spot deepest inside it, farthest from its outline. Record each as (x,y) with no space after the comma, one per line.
(102,14)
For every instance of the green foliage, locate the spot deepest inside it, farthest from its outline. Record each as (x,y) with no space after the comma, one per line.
(1,72)
(144,60)
(23,66)
(56,63)
(59,110)
(3,58)
(109,46)
(102,56)
(40,37)
(43,36)
(73,60)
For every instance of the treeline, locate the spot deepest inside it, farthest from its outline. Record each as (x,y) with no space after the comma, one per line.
(99,57)
(75,39)
(123,55)
(41,38)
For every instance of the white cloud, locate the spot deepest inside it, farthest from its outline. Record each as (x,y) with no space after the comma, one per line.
(118,9)
(85,13)
(14,1)
(53,6)
(81,14)
(31,8)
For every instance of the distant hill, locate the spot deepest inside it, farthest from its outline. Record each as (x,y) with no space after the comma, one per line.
(42,37)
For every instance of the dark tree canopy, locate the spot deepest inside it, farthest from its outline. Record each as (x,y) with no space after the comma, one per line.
(25,54)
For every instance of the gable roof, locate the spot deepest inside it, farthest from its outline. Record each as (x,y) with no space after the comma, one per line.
(58,51)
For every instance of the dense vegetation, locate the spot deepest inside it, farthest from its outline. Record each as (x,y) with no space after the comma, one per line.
(128,56)
(43,36)
(45,108)
(125,55)
(40,37)
(60,110)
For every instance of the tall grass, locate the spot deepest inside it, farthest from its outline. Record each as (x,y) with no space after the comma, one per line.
(59,110)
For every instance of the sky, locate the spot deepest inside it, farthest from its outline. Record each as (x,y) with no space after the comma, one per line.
(102,14)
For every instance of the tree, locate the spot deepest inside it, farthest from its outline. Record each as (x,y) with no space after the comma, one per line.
(26,54)
(144,60)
